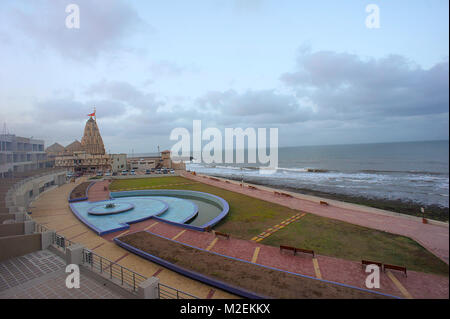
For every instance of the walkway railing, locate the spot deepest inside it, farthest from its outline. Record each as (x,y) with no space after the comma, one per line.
(118,274)
(115,272)
(167,292)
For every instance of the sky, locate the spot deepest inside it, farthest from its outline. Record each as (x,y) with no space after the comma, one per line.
(312,69)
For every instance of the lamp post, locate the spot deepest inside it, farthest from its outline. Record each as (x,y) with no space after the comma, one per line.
(424,220)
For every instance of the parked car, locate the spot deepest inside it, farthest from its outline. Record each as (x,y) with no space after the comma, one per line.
(108,173)
(132,172)
(164,171)
(147,171)
(124,172)
(99,173)
(158,171)
(172,171)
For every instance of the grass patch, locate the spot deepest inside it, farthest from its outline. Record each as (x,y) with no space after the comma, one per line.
(340,239)
(119,184)
(249,216)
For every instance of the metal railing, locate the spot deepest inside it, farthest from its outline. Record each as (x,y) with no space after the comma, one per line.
(115,272)
(167,292)
(120,275)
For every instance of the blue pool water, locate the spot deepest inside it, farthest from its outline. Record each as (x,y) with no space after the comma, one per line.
(169,208)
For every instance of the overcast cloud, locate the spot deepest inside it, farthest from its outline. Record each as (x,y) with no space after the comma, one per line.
(149,68)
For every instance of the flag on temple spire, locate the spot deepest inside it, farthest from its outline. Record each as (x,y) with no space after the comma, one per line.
(92,114)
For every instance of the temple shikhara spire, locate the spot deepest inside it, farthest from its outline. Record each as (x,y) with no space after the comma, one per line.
(92,142)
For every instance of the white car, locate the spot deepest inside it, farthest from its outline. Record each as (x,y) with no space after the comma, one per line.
(132,172)
(124,172)
(108,174)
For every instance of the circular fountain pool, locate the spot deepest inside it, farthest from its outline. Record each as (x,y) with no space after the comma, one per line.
(189,209)
(109,208)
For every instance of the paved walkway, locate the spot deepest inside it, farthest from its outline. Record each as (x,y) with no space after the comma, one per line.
(52,210)
(433,237)
(42,275)
(417,285)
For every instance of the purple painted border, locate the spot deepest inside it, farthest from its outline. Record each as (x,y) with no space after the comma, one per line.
(189,273)
(212,281)
(80,199)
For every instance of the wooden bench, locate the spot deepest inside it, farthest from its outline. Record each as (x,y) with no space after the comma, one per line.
(222,234)
(287,248)
(369,262)
(214,179)
(394,267)
(287,195)
(323,203)
(305,251)
(297,250)
(277,193)
(251,187)
(227,182)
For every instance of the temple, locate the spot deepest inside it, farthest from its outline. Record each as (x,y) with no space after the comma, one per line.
(89,156)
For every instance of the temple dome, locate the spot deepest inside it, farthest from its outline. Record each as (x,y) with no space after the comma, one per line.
(92,141)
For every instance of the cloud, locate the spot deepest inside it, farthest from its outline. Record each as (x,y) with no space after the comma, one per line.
(166,68)
(55,110)
(346,86)
(254,107)
(103,26)
(125,93)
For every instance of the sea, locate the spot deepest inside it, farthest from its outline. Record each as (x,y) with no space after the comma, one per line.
(415,172)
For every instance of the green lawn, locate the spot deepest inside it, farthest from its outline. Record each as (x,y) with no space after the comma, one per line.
(250,216)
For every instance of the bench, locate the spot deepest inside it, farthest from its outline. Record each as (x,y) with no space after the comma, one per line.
(305,251)
(214,179)
(227,182)
(276,193)
(297,250)
(287,248)
(369,262)
(222,234)
(394,267)
(251,187)
(287,195)
(323,203)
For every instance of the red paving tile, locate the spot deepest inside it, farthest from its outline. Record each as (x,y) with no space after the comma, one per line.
(352,273)
(271,256)
(97,191)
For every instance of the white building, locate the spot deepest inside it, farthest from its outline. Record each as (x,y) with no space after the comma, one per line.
(20,154)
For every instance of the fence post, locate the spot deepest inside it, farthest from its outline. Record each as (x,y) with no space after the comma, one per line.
(149,289)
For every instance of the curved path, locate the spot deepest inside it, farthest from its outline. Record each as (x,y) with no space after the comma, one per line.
(52,210)
(434,237)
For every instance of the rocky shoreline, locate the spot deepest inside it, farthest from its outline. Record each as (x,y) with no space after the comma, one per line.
(435,212)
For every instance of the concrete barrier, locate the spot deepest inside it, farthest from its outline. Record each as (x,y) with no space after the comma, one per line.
(14,246)
(11,229)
